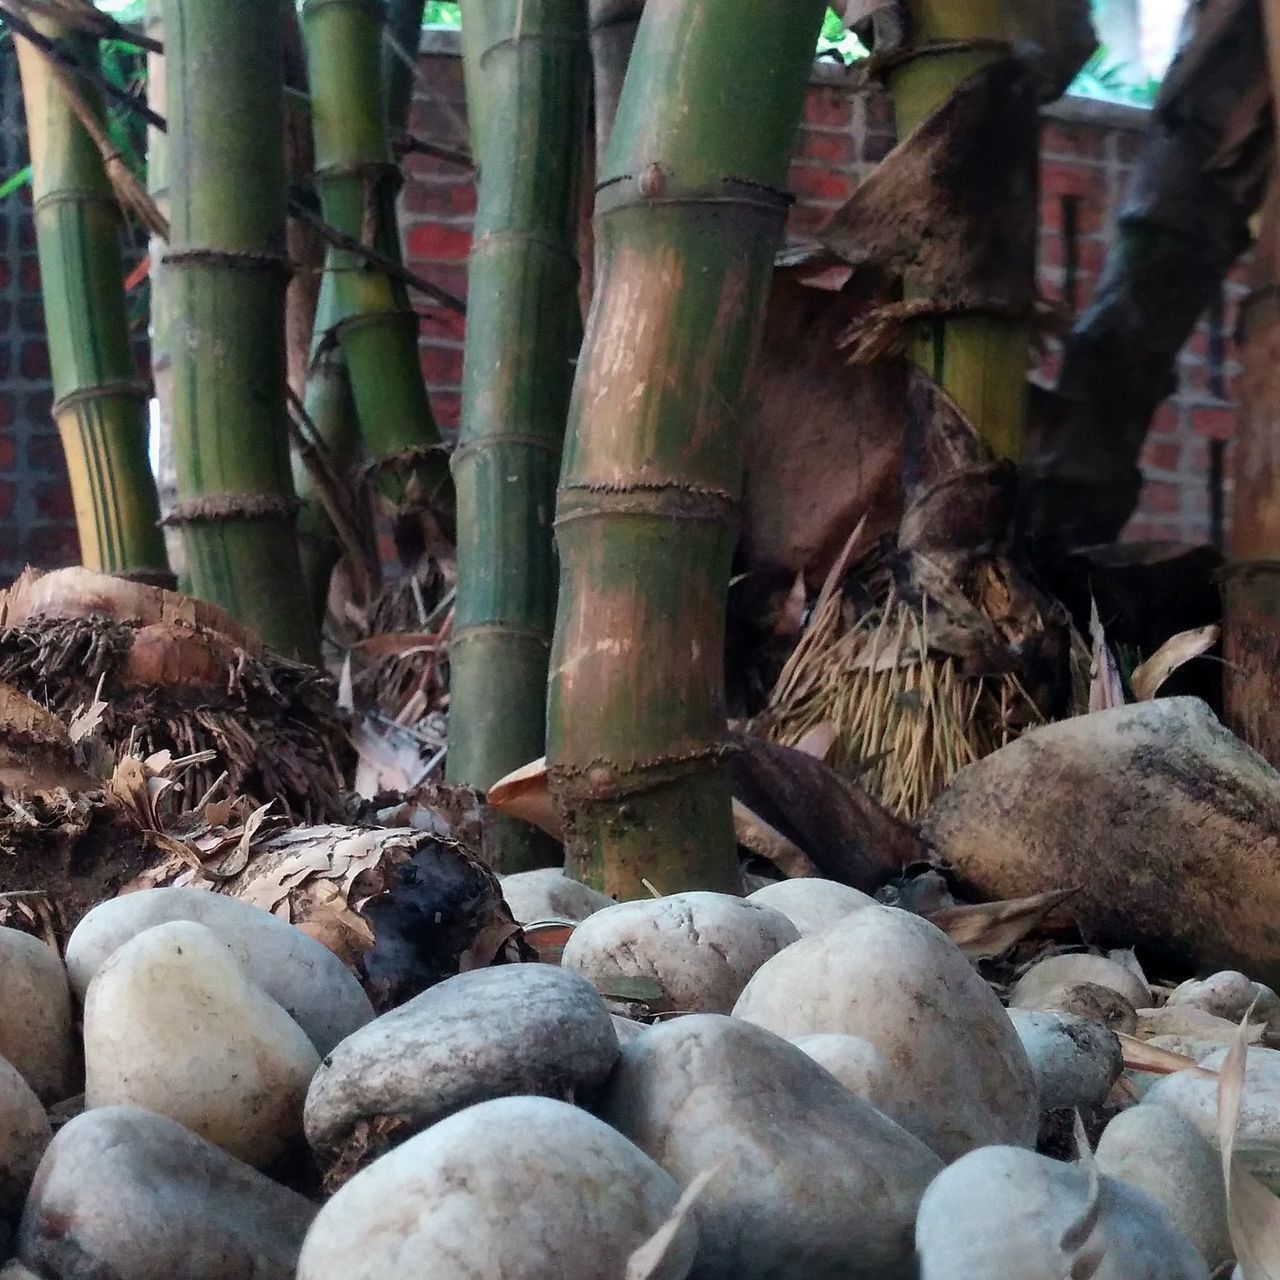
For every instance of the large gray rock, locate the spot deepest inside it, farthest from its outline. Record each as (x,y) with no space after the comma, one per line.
(171,1023)
(35,1016)
(892,978)
(1159,1151)
(1195,1096)
(24,1134)
(549,894)
(810,1181)
(489,1033)
(699,948)
(1229,995)
(312,985)
(1002,1213)
(123,1194)
(1075,1060)
(512,1189)
(1158,815)
(811,904)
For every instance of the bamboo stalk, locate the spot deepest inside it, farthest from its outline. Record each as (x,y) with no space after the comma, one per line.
(981,361)
(613,33)
(688,216)
(227,268)
(100,403)
(357,180)
(523,334)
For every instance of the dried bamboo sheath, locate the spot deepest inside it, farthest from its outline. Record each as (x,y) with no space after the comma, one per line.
(100,402)
(523,333)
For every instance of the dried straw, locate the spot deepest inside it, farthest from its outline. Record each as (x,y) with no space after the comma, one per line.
(905,718)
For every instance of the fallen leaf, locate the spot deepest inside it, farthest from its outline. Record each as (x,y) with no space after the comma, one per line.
(526,794)
(1083,1259)
(1141,1056)
(1253,1213)
(752,832)
(87,719)
(989,929)
(654,1256)
(1174,653)
(818,741)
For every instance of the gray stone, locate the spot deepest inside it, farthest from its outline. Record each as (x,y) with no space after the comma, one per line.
(1229,995)
(1042,986)
(549,894)
(123,1194)
(810,1181)
(699,948)
(489,1033)
(171,1023)
(1002,1213)
(312,985)
(35,1016)
(1075,1060)
(512,1189)
(811,904)
(24,1134)
(892,978)
(1159,1151)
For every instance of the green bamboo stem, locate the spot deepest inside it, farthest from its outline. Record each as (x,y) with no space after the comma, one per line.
(404,27)
(689,213)
(100,403)
(357,179)
(981,361)
(331,411)
(227,271)
(613,33)
(523,333)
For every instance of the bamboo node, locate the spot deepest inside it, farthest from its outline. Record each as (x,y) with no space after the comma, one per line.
(661,498)
(374,171)
(73,195)
(230,259)
(490,630)
(131,387)
(521,439)
(1240,566)
(654,186)
(603,779)
(214,508)
(375,8)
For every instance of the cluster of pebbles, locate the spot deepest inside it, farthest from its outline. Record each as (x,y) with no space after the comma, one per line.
(837,1087)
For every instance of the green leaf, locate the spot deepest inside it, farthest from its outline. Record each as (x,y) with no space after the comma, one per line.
(15,181)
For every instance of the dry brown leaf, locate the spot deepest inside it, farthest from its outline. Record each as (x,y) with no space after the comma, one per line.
(1106,690)
(1174,653)
(235,862)
(989,929)
(1253,1212)
(652,1257)
(87,719)
(818,741)
(526,794)
(1141,1056)
(754,833)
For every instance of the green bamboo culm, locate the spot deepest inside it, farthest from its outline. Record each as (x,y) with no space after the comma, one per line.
(399,48)
(158,316)
(689,214)
(100,403)
(357,179)
(532,68)
(981,361)
(227,273)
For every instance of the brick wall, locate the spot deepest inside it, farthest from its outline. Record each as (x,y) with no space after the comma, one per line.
(1088,154)
(36,522)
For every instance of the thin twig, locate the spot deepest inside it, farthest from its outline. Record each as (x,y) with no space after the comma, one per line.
(85,17)
(405,143)
(63,59)
(375,259)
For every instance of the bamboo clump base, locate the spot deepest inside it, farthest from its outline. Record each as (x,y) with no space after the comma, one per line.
(904,718)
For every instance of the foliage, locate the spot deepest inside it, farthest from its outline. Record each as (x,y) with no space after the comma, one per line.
(1111,79)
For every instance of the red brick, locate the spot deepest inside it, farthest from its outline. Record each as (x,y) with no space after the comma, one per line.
(53,501)
(442,366)
(443,199)
(51,546)
(44,453)
(1089,214)
(437,323)
(1214,424)
(806,219)
(6,499)
(1161,455)
(6,411)
(29,276)
(435,242)
(8,453)
(1167,419)
(34,361)
(1082,141)
(1159,497)
(830,148)
(814,184)
(877,107)
(827,108)
(447,408)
